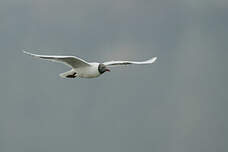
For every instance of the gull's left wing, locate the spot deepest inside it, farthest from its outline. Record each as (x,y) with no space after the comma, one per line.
(72,61)
(119,63)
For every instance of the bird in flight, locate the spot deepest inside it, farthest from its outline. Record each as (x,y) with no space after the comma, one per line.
(84,69)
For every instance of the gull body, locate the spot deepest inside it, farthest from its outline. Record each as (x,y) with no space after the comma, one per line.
(88,72)
(83,69)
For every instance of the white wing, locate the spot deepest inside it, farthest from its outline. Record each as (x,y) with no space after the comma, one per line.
(119,63)
(71,61)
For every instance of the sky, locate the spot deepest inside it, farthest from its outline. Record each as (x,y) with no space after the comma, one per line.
(178,104)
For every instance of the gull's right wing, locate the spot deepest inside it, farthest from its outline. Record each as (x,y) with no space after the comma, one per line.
(119,63)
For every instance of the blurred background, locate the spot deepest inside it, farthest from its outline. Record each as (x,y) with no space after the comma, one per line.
(178,104)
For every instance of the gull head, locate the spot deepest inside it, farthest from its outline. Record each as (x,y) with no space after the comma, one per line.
(102,68)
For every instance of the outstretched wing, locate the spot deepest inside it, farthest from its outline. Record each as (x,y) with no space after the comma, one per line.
(71,61)
(119,63)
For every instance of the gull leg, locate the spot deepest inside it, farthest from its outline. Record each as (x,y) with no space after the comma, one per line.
(69,74)
(72,76)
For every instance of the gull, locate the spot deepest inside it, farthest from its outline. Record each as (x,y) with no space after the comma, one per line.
(83,69)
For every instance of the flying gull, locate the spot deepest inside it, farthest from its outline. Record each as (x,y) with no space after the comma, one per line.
(84,69)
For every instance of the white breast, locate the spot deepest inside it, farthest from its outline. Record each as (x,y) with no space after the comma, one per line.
(88,72)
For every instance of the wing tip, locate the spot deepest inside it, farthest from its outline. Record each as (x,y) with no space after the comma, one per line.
(31,54)
(26,52)
(152,60)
